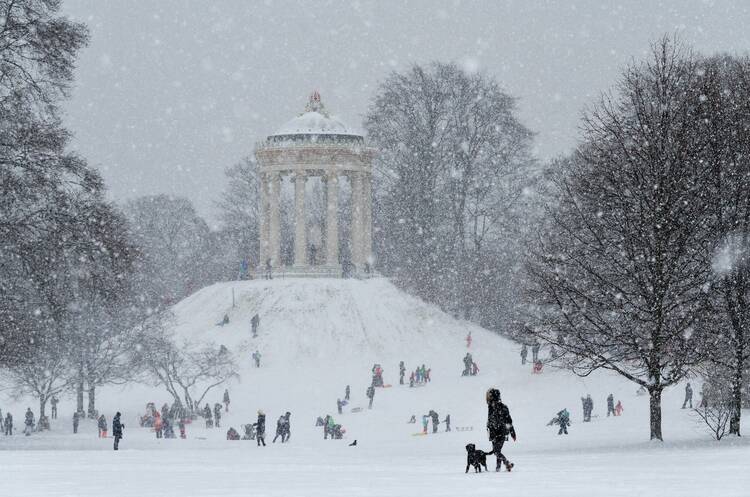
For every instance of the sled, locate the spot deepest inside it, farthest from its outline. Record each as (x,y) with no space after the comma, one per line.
(386,386)
(418,434)
(463,428)
(356,409)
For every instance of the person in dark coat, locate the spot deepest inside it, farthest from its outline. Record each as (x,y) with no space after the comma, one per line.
(217,415)
(53,402)
(76,419)
(499,425)
(209,417)
(287,427)
(254,323)
(535,351)
(524,353)
(29,422)
(610,405)
(370,395)
(226,400)
(435,420)
(339,404)
(563,420)
(117,428)
(401,372)
(8,424)
(168,428)
(279,429)
(347,392)
(260,429)
(165,411)
(688,396)
(447,422)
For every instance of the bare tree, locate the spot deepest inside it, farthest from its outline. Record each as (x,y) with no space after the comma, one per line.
(619,279)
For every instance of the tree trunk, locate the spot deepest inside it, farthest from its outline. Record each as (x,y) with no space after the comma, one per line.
(79,391)
(42,406)
(655,409)
(734,420)
(92,400)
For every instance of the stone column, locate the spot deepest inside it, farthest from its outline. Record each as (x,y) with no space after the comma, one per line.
(332,219)
(300,223)
(263,214)
(274,229)
(357,238)
(367,219)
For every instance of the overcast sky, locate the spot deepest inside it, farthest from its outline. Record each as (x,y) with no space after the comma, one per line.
(171,92)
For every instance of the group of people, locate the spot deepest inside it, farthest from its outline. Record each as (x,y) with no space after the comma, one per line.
(101,423)
(432,416)
(470,367)
(330,428)
(419,376)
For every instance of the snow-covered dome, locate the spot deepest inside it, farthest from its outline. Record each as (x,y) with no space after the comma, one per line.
(314,123)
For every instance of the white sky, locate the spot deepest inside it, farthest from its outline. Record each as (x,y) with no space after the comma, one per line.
(171,92)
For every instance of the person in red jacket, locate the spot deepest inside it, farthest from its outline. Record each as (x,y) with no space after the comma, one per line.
(158,425)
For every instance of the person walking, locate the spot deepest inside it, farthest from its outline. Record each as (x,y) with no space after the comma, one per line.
(208,416)
(260,428)
(425,423)
(499,425)
(435,421)
(610,405)
(347,391)
(256,358)
(76,419)
(226,400)
(688,396)
(339,405)
(370,395)
(117,428)
(217,415)
(401,372)
(447,422)
(562,419)
(468,341)
(618,408)
(524,353)
(279,429)
(254,324)
(53,402)
(158,425)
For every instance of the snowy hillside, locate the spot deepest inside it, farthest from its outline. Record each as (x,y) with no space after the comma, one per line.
(316,337)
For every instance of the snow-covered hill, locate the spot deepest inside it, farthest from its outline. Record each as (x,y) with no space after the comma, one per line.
(316,337)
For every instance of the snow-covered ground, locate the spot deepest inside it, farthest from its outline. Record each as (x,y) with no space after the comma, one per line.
(317,336)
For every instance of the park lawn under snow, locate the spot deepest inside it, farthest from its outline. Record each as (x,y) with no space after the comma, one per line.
(317,336)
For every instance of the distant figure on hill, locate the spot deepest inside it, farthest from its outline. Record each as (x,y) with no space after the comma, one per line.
(688,396)
(102,425)
(412,420)
(524,353)
(226,400)
(256,358)
(588,407)
(53,402)
(8,424)
(232,434)
(447,422)
(29,422)
(117,428)
(168,428)
(181,425)
(260,429)
(217,415)
(468,360)
(269,270)
(158,425)
(224,320)
(610,405)
(618,408)
(401,372)
(370,395)
(347,391)
(468,340)
(208,416)
(287,427)
(254,323)
(76,419)
(411,379)
(474,368)
(563,420)
(435,420)
(339,404)
(535,351)
(279,429)
(425,423)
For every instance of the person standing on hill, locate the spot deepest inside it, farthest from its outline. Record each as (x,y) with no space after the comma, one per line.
(102,425)
(279,430)
(158,425)
(425,423)
(207,415)
(256,358)
(447,422)
(8,424)
(435,421)
(610,405)
(254,324)
(535,351)
(370,395)
(260,429)
(499,425)
(347,392)
(76,419)
(401,372)
(524,353)
(117,428)
(53,402)
(688,396)
(29,422)
(339,405)
(217,414)
(226,400)
(468,340)
(618,408)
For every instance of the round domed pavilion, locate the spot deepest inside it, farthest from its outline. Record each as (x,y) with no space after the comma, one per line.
(315,144)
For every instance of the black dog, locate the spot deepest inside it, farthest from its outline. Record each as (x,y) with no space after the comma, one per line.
(476,458)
